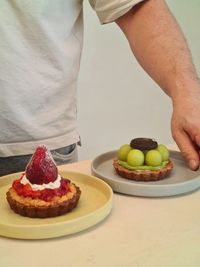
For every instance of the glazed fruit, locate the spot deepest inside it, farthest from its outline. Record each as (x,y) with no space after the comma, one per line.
(143,158)
(153,158)
(123,151)
(45,194)
(135,158)
(163,151)
(41,169)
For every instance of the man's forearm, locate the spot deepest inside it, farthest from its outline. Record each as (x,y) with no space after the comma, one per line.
(159,45)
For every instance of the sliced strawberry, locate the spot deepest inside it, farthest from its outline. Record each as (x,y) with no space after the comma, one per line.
(41,169)
(45,194)
(27,190)
(35,194)
(18,186)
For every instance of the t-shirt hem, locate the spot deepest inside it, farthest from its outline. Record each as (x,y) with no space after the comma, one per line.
(26,148)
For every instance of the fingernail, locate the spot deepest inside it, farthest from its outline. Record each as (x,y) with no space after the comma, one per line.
(193,164)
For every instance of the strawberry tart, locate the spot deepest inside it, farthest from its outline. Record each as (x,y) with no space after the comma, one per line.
(41,192)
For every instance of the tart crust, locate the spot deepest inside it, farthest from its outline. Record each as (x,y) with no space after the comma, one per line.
(38,208)
(141,175)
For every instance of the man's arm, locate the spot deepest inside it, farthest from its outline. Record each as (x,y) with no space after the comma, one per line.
(159,46)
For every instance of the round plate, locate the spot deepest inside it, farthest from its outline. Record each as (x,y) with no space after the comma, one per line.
(181,180)
(94,205)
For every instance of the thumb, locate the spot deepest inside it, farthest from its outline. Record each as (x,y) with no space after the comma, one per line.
(187,149)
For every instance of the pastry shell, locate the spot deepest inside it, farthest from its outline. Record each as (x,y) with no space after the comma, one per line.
(37,208)
(141,175)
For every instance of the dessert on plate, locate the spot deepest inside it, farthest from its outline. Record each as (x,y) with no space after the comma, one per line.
(41,192)
(143,160)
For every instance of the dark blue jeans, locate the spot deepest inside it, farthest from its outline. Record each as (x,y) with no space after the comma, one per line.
(64,155)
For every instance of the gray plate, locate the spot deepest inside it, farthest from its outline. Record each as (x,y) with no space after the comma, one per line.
(180,181)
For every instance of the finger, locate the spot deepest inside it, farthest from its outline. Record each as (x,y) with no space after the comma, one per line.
(197,141)
(194,134)
(187,149)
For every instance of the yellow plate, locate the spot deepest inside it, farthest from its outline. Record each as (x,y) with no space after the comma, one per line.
(94,205)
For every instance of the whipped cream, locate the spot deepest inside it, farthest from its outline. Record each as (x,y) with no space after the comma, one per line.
(36,187)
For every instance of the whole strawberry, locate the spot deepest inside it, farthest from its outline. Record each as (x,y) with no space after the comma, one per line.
(41,169)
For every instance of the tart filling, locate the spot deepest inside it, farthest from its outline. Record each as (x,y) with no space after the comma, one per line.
(141,175)
(142,167)
(46,194)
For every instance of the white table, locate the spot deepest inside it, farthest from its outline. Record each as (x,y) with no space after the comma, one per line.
(139,232)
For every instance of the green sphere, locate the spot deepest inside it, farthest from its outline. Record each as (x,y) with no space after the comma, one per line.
(135,158)
(153,158)
(123,151)
(163,151)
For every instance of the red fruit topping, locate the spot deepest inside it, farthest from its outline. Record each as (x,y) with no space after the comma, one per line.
(45,194)
(41,169)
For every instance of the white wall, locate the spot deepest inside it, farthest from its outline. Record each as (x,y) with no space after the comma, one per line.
(117,101)
(187,14)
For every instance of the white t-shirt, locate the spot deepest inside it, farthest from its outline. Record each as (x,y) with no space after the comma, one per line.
(40,49)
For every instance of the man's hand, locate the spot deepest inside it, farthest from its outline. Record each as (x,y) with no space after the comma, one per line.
(185,127)
(160,47)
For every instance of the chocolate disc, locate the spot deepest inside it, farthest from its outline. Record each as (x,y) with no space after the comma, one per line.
(143,143)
